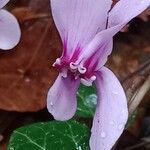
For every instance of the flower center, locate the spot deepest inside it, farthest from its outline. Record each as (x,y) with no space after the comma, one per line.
(75,69)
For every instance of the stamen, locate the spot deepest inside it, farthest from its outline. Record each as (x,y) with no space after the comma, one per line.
(82,70)
(93,78)
(73,66)
(64,73)
(57,62)
(76,77)
(86,82)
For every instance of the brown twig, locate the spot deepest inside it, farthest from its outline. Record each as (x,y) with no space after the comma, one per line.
(138,96)
(137,85)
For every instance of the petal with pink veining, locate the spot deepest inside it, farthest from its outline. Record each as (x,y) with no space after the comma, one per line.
(125,10)
(119,16)
(9,30)
(79,20)
(111,112)
(61,98)
(99,58)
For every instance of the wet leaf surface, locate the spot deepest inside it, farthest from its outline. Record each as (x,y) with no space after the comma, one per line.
(54,135)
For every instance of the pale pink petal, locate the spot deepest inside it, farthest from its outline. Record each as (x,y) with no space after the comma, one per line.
(79,20)
(111,112)
(99,58)
(61,99)
(3,3)
(125,10)
(9,30)
(104,53)
(119,16)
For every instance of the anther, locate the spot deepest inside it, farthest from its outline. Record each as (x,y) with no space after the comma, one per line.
(73,66)
(57,62)
(64,73)
(82,70)
(76,77)
(93,78)
(86,82)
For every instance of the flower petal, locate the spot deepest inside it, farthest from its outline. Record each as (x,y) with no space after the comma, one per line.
(9,30)
(125,10)
(61,99)
(103,54)
(79,20)
(99,58)
(119,16)
(111,113)
(3,3)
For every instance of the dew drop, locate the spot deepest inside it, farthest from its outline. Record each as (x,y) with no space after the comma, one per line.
(116,93)
(103,134)
(121,126)
(111,122)
(143,1)
(123,112)
(79,148)
(51,103)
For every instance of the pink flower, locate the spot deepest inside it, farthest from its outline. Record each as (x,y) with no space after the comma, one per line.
(9,28)
(87,28)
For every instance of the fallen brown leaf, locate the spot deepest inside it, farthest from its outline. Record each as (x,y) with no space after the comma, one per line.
(25,72)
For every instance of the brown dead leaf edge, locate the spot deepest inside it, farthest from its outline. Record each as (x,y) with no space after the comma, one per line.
(26,72)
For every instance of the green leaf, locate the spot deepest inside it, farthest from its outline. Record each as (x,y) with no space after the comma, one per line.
(87,100)
(53,135)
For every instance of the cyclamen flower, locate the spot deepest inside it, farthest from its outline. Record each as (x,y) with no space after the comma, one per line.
(87,28)
(9,28)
